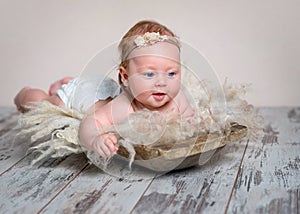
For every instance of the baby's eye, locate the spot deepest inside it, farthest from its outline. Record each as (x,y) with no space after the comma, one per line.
(171,74)
(149,74)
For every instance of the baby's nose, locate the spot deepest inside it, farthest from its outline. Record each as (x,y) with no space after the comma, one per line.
(160,81)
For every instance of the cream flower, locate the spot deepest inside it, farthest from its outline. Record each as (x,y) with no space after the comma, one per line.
(149,39)
(139,41)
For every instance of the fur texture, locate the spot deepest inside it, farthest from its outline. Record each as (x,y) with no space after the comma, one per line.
(54,130)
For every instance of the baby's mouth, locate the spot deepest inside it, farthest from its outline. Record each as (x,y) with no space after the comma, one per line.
(159,96)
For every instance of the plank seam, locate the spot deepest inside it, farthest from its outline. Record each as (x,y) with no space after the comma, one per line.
(64,187)
(142,195)
(12,166)
(236,178)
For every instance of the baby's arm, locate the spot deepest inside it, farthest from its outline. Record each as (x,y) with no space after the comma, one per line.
(91,131)
(92,135)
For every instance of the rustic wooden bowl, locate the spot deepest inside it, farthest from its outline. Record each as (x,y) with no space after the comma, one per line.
(179,155)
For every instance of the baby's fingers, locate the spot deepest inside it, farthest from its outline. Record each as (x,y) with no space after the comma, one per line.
(111,143)
(106,146)
(113,138)
(104,150)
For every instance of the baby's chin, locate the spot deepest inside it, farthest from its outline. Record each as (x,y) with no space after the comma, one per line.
(155,105)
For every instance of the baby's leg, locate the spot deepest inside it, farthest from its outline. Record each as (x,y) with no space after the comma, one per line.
(28,95)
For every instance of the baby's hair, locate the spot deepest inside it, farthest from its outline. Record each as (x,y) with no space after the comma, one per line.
(140,28)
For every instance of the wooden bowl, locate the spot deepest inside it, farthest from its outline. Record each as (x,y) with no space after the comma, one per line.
(179,155)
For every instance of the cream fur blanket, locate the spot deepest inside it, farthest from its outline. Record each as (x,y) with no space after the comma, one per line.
(54,130)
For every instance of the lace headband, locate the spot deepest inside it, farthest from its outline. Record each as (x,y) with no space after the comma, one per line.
(149,39)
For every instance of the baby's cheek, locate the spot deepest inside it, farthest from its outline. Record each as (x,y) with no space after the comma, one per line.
(140,90)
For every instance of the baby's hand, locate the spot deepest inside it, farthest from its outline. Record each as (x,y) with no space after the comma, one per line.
(105,145)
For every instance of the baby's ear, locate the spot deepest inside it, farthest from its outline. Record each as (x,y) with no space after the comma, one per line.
(123,73)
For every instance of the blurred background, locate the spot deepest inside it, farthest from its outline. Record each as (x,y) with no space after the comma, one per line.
(254,42)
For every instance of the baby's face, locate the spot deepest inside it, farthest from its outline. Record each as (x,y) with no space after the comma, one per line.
(153,80)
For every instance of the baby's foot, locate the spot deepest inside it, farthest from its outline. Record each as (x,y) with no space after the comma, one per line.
(57,85)
(19,98)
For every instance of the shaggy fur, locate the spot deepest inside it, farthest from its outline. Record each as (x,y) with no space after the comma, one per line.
(61,125)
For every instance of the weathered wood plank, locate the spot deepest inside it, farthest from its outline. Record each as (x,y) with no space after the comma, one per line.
(201,189)
(7,116)
(269,179)
(95,191)
(11,149)
(267,182)
(26,188)
(41,185)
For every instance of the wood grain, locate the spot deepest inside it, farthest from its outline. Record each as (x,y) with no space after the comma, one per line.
(269,179)
(242,177)
(12,150)
(200,189)
(28,188)
(94,191)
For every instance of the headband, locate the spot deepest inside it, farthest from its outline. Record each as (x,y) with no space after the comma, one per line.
(149,39)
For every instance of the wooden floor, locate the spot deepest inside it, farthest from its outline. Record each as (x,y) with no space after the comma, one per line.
(243,177)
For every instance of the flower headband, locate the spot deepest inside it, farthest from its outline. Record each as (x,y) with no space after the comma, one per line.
(149,39)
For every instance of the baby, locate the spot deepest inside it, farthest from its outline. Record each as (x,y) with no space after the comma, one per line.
(150,78)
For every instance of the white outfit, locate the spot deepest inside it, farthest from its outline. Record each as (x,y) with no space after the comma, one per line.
(84,91)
